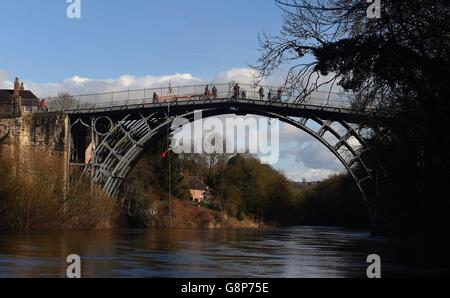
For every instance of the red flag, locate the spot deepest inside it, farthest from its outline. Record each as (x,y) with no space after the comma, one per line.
(164,154)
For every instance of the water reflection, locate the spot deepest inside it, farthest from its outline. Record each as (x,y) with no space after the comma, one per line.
(290,252)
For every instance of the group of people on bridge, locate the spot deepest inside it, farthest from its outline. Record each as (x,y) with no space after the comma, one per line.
(270,97)
(261,92)
(212,93)
(237,93)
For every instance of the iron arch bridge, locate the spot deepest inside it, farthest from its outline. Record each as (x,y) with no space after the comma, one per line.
(110,132)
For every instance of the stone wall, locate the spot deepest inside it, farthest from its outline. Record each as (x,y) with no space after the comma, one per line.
(33,139)
(39,131)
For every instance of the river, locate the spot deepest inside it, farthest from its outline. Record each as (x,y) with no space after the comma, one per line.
(284,252)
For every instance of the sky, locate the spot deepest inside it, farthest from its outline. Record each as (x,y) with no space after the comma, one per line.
(138,37)
(119,45)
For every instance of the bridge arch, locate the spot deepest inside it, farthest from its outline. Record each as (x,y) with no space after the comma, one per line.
(119,151)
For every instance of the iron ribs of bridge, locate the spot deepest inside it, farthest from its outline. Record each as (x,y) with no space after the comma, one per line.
(132,129)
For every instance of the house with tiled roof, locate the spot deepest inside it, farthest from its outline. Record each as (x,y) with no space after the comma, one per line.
(198,189)
(24,99)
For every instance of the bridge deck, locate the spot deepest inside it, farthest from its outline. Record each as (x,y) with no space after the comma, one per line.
(187,98)
(231,104)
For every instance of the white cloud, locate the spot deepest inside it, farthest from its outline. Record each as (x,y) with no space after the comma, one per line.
(242,75)
(311,175)
(83,85)
(312,154)
(4,83)
(294,134)
(303,148)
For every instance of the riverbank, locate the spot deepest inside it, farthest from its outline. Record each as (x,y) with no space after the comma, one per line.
(33,195)
(32,198)
(155,213)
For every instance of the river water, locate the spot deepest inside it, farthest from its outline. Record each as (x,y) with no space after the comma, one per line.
(285,252)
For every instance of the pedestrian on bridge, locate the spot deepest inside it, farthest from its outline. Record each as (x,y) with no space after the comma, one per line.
(43,106)
(279,94)
(155,97)
(214,92)
(243,94)
(261,93)
(269,96)
(236,91)
(207,93)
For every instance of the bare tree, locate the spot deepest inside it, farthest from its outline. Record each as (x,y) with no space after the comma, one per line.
(328,42)
(64,101)
(308,26)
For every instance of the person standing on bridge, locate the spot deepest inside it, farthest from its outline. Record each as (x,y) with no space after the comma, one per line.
(236,91)
(207,93)
(269,96)
(43,106)
(279,94)
(155,97)
(261,93)
(243,94)
(214,92)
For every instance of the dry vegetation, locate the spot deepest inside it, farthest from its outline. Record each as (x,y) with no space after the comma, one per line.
(151,211)
(32,197)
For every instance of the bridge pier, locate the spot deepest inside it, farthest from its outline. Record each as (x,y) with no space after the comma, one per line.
(30,136)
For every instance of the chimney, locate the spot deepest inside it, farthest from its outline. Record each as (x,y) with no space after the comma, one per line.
(16,88)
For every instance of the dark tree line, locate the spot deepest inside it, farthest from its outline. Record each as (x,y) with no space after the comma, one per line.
(399,65)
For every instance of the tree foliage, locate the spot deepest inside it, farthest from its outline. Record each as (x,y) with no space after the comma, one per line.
(246,189)
(397,64)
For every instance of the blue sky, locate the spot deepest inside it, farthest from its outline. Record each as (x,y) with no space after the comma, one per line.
(139,37)
(118,45)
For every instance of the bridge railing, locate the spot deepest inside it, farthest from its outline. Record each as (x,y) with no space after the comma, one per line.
(192,93)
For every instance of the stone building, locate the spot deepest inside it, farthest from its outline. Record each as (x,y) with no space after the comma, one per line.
(14,102)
